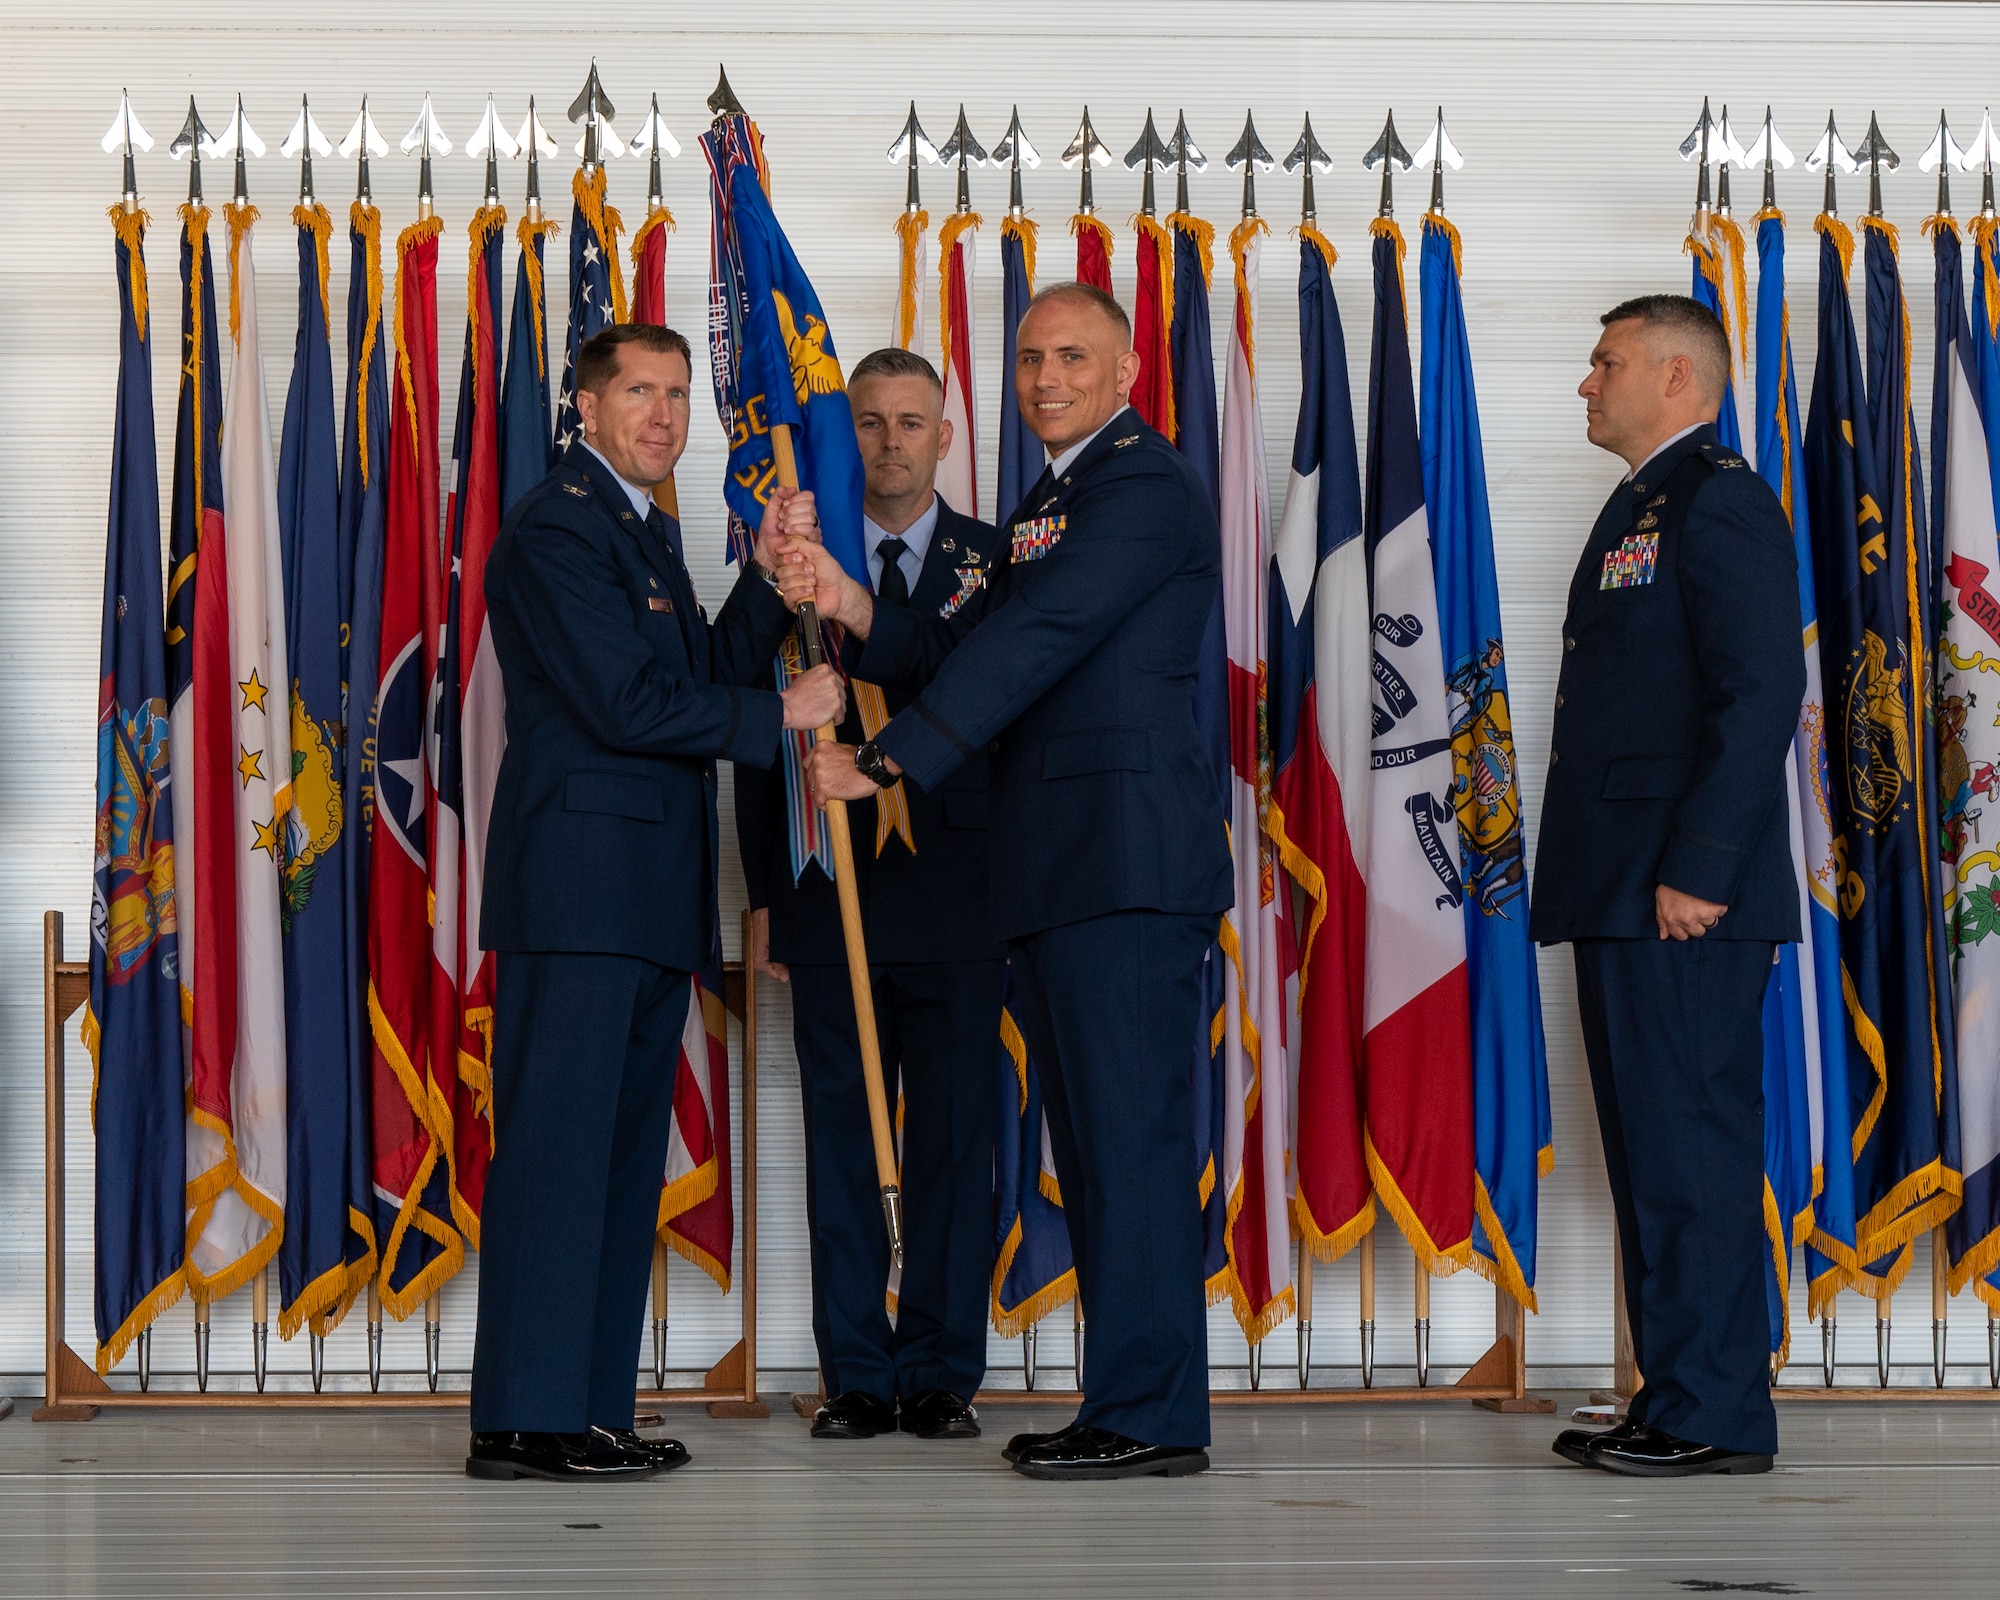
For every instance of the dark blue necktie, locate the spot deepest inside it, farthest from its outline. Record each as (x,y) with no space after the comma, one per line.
(666,532)
(892,586)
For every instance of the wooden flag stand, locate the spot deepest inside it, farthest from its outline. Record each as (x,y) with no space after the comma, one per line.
(75,1393)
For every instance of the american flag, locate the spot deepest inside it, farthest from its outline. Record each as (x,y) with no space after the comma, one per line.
(596,289)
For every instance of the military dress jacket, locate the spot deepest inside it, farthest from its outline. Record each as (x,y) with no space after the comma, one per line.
(1682,677)
(621,695)
(1076,661)
(916,908)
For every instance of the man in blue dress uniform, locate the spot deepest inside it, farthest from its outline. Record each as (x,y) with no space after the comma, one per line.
(600,899)
(1075,663)
(938,974)
(1665,860)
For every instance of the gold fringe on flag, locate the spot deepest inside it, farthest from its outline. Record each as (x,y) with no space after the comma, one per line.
(1239,245)
(1737,292)
(239,218)
(316,221)
(1013,227)
(1843,240)
(1081,224)
(655,221)
(1203,234)
(955,227)
(358,1276)
(367,221)
(607,224)
(1783,421)
(1438,222)
(892,805)
(1385,228)
(528,232)
(406,241)
(130,226)
(1308,233)
(487,222)
(1984,265)
(910,228)
(1155,237)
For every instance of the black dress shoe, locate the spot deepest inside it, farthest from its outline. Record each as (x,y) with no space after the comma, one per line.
(856,1414)
(562,1457)
(666,1454)
(1091,1455)
(1575,1444)
(1648,1453)
(1021,1443)
(940,1414)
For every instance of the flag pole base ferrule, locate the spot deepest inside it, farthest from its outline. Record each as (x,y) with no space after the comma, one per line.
(1993,1353)
(145,1360)
(374,1357)
(319,1362)
(1882,1325)
(1257,1366)
(260,1351)
(1827,1325)
(1368,1354)
(433,1342)
(1078,1309)
(1305,1353)
(1937,1350)
(892,1217)
(1028,1358)
(1423,1352)
(659,1353)
(201,1356)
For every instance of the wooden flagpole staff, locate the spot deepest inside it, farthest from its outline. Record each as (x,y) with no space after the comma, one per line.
(850,914)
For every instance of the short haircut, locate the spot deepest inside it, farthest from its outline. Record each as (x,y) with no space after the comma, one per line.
(892,362)
(597,358)
(1089,294)
(1691,329)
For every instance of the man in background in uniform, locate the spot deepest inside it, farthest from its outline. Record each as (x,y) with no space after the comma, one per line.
(1665,859)
(938,975)
(1110,867)
(600,899)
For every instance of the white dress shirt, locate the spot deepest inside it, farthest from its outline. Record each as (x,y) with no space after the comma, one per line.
(642,499)
(1665,445)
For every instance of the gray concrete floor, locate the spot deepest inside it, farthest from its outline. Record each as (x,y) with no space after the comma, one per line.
(1349,1499)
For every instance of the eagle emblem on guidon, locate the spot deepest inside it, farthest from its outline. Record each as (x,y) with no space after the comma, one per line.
(1484,792)
(1877,729)
(312,827)
(133,903)
(814,369)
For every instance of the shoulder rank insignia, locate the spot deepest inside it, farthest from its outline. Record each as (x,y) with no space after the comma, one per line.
(970,581)
(1036,537)
(1631,565)
(1122,443)
(576,489)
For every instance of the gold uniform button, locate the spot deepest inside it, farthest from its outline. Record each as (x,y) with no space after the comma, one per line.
(1559,702)
(1554,757)
(1569,644)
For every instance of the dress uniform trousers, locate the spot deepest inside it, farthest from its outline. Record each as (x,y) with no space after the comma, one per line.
(1673,1032)
(585,1052)
(1110,1009)
(941,1022)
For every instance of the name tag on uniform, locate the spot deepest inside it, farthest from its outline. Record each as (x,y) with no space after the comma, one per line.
(656,602)
(970,581)
(1033,540)
(1631,565)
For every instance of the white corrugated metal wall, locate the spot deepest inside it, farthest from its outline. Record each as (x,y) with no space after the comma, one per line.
(1568,114)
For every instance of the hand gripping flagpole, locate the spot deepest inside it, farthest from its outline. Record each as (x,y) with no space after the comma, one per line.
(723,103)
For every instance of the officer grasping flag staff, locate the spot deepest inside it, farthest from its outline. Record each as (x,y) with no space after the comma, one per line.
(1076,662)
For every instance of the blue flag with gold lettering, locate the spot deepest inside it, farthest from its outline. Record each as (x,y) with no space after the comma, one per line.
(133,1024)
(1866,579)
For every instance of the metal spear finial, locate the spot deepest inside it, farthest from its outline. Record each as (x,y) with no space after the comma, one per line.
(492,141)
(192,141)
(1389,151)
(363,140)
(1249,153)
(427,138)
(1876,152)
(1728,153)
(908,148)
(1149,156)
(1831,153)
(722,101)
(1980,151)
(1944,154)
(1770,151)
(1438,152)
(1696,145)
(965,150)
(593,108)
(652,138)
(305,141)
(534,141)
(1186,156)
(1310,155)
(1015,150)
(1089,151)
(120,137)
(240,140)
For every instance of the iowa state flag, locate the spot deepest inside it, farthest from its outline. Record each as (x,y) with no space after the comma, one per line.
(132,1025)
(318,1272)
(1870,646)
(1417,1047)
(1511,1139)
(1319,655)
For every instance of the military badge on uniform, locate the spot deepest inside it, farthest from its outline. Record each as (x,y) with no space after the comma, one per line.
(576,489)
(1631,565)
(1036,538)
(970,581)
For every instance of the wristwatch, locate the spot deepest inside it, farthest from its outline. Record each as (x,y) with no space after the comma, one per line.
(874,766)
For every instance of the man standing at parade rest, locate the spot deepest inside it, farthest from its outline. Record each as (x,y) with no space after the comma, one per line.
(1110,866)
(600,893)
(938,976)
(1665,861)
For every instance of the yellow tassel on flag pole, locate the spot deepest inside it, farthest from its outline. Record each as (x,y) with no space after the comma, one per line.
(910,228)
